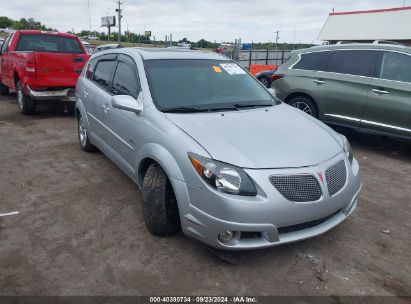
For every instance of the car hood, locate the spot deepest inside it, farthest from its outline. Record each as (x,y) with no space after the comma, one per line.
(273,137)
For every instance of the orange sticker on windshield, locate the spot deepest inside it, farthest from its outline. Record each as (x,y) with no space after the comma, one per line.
(217,69)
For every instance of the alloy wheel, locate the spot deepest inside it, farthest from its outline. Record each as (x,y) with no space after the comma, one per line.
(303,107)
(82,131)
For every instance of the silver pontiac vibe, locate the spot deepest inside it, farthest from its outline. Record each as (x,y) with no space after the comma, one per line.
(212,151)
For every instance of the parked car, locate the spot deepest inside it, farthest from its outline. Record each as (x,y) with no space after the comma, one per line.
(266,77)
(104,47)
(213,152)
(366,86)
(41,66)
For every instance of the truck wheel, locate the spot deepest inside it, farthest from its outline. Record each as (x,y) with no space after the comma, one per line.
(85,143)
(26,104)
(264,81)
(4,90)
(159,203)
(304,104)
(71,108)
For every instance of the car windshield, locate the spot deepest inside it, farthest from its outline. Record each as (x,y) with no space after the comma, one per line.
(182,85)
(49,44)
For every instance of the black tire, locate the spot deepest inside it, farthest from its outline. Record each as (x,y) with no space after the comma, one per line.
(4,90)
(26,104)
(83,139)
(159,204)
(304,104)
(71,107)
(265,81)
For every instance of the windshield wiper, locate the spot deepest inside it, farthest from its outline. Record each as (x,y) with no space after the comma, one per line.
(251,105)
(184,110)
(223,107)
(238,106)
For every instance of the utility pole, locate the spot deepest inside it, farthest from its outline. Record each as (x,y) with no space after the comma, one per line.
(118,10)
(277,32)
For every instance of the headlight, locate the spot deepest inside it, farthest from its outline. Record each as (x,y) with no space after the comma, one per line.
(223,177)
(347,148)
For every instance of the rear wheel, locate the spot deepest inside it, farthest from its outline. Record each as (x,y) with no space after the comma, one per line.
(159,203)
(4,90)
(26,104)
(304,104)
(85,143)
(71,108)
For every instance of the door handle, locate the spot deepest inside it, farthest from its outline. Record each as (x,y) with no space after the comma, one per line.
(106,108)
(381,92)
(85,93)
(318,81)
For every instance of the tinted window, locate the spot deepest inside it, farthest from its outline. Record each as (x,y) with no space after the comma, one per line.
(352,62)
(49,44)
(125,81)
(5,45)
(313,61)
(206,84)
(103,72)
(396,66)
(90,68)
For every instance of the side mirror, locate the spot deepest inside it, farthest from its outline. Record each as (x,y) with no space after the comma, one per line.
(127,103)
(272,91)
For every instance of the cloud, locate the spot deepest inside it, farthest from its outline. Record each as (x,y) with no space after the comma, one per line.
(220,20)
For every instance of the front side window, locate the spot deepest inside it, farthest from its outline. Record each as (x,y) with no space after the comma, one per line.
(103,72)
(313,61)
(125,81)
(352,62)
(49,43)
(396,66)
(203,85)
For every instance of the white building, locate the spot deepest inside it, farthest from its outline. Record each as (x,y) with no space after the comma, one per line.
(392,24)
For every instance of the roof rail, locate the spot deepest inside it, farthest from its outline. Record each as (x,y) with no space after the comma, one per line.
(387,42)
(345,42)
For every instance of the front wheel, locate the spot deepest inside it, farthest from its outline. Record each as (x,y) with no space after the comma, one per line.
(159,203)
(304,104)
(26,104)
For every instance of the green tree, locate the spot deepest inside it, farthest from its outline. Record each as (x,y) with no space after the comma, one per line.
(5,22)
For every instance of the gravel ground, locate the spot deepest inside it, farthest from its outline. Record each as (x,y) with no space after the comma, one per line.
(79,230)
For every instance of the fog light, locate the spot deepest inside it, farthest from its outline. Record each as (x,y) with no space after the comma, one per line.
(225,236)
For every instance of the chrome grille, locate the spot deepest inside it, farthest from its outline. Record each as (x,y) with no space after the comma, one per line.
(297,188)
(336,175)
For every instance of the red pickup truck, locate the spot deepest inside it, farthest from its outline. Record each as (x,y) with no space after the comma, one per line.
(41,66)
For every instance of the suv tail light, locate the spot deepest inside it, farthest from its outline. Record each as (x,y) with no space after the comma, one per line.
(276,77)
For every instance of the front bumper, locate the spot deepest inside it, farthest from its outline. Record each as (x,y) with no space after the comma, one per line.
(267,219)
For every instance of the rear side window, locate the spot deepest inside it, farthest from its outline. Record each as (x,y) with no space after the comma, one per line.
(396,66)
(313,61)
(49,44)
(90,68)
(125,81)
(352,62)
(5,45)
(103,72)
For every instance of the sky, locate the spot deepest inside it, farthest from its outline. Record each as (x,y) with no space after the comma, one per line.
(298,21)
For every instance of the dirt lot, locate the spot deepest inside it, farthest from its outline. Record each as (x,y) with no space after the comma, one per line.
(79,230)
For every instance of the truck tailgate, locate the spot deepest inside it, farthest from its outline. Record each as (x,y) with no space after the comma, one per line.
(59,69)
